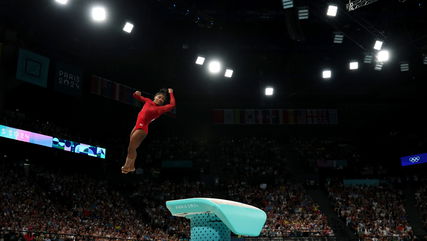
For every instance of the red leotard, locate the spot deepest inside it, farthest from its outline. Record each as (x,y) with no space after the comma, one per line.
(151,111)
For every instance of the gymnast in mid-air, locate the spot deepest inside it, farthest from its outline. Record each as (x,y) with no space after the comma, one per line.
(151,110)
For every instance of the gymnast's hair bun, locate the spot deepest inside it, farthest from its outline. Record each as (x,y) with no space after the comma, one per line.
(163,90)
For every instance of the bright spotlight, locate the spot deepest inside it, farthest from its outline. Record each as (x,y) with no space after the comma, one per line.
(128,27)
(327,74)
(228,73)
(200,60)
(99,14)
(378,45)
(287,4)
(404,67)
(63,2)
(338,37)
(269,91)
(354,65)
(368,59)
(383,56)
(214,67)
(379,66)
(332,10)
(303,13)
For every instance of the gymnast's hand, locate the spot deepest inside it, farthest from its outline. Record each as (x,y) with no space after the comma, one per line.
(137,93)
(170,90)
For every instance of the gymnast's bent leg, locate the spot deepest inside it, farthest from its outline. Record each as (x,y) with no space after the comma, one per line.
(136,138)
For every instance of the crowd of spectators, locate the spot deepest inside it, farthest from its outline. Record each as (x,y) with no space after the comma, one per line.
(257,159)
(420,197)
(72,205)
(329,152)
(80,206)
(290,210)
(252,170)
(174,148)
(372,212)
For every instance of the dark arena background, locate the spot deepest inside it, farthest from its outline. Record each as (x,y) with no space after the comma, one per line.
(311,111)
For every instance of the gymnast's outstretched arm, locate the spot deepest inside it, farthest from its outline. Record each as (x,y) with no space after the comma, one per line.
(137,95)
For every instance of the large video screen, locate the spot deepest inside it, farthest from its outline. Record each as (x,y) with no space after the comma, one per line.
(52,142)
(25,136)
(77,147)
(414,159)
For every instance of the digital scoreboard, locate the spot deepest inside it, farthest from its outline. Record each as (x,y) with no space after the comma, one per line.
(52,142)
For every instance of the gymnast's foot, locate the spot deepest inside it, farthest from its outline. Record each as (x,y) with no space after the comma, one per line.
(126,170)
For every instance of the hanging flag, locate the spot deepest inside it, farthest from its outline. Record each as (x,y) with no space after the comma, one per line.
(32,68)
(266,116)
(310,116)
(107,88)
(95,85)
(289,116)
(236,116)
(333,117)
(275,117)
(242,117)
(218,116)
(228,116)
(125,94)
(301,117)
(249,117)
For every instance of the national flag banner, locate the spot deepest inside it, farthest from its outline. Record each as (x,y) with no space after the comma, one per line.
(95,85)
(118,92)
(249,117)
(228,116)
(311,116)
(112,90)
(289,116)
(258,117)
(242,117)
(135,101)
(323,117)
(116,88)
(218,116)
(108,88)
(125,94)
(32,68)
(68,79)
(333,117)
(266,116)
(301,117)
(275,117)
(104,87)
(129,97)
(281,116)
(236,116)
(317,116)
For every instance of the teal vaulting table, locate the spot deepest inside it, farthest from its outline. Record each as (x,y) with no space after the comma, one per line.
(214,219)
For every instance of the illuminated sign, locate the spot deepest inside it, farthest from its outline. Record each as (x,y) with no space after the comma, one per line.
(414,159)
(52,142)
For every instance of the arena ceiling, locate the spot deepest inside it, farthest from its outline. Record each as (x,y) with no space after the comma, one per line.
(263,43)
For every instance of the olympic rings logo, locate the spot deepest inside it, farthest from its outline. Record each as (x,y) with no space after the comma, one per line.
(414,159)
